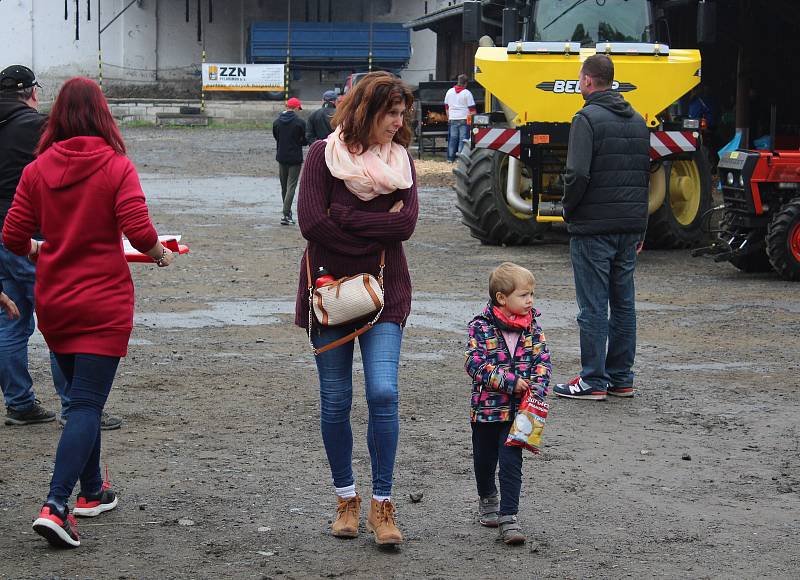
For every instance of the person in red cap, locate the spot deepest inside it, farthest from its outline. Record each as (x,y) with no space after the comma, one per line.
(289,131)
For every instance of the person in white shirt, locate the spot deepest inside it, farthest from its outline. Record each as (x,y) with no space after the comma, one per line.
(460,106)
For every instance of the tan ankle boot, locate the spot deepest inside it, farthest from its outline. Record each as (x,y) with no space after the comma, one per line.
(381,523)
(348,512)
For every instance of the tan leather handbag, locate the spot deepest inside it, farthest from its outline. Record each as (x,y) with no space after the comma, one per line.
(345,300)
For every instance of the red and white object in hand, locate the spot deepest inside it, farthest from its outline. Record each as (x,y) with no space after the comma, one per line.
(168,241)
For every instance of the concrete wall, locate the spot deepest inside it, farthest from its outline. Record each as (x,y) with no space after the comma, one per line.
(37,35)
(180,52)
(423,42)
(152,46)
(127,110)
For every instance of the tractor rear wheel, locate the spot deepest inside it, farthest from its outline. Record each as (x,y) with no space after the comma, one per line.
(680,220)
(783,241)
(481,176)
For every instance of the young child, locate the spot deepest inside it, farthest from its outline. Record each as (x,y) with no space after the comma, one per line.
(506,355)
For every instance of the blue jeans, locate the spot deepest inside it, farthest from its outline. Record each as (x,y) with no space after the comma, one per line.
(489,449)
(18,275)
(457,132)
(603,266)
(380,352)
(89,378)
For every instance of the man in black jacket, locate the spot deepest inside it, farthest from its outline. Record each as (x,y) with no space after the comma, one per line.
(20,128)
(605,207)
(319,123)
(289,131)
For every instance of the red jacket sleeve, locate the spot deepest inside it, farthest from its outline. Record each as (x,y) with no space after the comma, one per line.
(131,209)
(22,220)
(312,210)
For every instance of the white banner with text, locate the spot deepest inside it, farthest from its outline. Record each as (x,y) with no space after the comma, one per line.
(243,77)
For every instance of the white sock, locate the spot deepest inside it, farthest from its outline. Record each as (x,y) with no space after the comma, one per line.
(346,492)
(380,498)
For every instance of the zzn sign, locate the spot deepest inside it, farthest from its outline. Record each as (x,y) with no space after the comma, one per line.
(243,77)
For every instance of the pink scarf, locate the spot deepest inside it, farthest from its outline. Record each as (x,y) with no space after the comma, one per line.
(379,170)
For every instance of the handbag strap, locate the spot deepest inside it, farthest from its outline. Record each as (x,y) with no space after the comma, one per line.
(310,284)
(340,341)
(308,271)
(353,335)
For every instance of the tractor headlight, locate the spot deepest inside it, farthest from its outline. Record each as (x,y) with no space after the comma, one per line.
(691,123)
(741,181)
(480,119)
(729,178)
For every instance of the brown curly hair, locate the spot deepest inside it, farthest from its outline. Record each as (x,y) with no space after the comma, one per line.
(367,103)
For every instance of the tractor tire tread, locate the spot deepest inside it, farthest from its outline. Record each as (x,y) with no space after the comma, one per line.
(476,200)
(663,230)
(780,256)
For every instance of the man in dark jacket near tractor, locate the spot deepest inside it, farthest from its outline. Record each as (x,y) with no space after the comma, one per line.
(289,131)
(605,207)
(319,123)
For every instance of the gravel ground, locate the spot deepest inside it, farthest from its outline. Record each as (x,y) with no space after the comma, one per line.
(220,468)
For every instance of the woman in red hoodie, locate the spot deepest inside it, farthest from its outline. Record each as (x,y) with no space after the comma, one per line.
(82,193)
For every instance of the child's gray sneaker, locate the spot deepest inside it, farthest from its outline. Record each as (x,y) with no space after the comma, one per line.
(510,530)
(487,511)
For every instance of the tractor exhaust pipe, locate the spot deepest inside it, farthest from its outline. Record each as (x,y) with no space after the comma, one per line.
(773,121)
(513,197)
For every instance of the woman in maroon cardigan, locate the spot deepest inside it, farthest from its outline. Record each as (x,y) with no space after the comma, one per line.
(358,197)
(82,193)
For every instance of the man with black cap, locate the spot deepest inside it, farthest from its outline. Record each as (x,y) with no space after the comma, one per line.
(319,123)
(20,128)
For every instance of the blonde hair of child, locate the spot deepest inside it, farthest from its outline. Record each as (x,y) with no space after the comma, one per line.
(507,277)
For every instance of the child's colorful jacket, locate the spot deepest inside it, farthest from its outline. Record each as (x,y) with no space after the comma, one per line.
(494,371)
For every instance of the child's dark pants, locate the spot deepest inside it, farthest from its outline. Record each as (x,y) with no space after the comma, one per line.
(488,446)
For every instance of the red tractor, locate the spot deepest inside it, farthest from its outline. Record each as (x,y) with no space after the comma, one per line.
(760,226)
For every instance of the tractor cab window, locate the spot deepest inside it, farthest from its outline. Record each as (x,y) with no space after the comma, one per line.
(592,21)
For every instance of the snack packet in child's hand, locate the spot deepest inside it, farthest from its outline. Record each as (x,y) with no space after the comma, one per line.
(529,423)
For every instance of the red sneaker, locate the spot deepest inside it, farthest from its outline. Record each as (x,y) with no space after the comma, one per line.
(57,527)
(89,506)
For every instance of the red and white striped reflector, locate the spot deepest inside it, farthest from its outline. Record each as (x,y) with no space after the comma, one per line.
(663,143)
(505,140)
